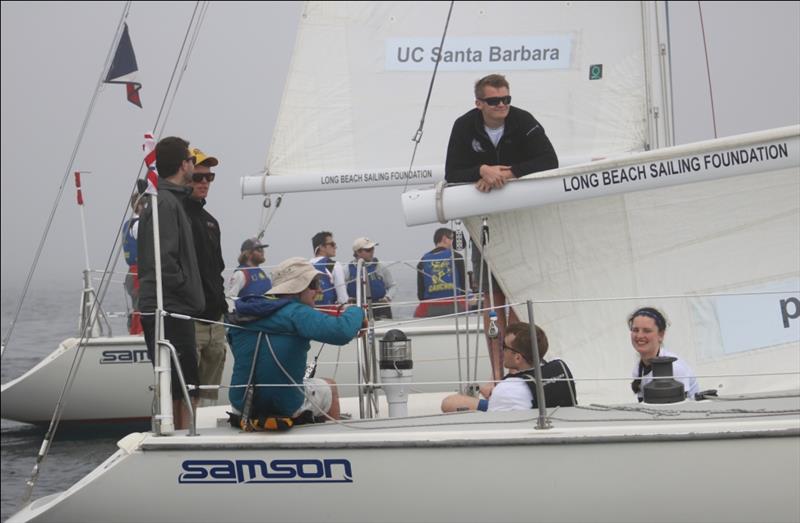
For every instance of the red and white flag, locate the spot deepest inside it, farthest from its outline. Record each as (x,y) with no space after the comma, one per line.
(149,148)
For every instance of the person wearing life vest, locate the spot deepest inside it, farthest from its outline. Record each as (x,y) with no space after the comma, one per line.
(333,282)
(435,278)
(517,389)
(381,282)
(130,230)
(248,279)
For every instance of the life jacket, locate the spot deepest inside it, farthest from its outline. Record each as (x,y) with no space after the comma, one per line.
(437,275)
(327,294)
(557,393)
(129,244)
(376,283)
(256,281)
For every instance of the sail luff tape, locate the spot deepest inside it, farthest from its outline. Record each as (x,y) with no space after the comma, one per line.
(439,201)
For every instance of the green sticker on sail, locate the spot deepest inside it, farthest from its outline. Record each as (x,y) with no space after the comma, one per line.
(596,72)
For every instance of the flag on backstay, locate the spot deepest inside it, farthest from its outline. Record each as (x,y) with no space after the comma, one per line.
(149,148)
(123,69)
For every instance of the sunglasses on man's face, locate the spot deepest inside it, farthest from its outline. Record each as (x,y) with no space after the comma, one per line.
(506,347)
(198,177)
(496,100)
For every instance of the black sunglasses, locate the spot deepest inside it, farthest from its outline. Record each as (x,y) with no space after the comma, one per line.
(506,347)
(497,100)
(198,177)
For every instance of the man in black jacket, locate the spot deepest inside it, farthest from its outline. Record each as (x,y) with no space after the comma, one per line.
(496,142)
(211,345)
(180,276)
(488,146)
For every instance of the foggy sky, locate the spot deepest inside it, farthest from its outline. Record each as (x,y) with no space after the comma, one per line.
(52,58)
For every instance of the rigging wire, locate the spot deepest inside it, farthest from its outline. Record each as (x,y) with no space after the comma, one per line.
(64,178)
(50,434)
(708,69)
(116,248)
(669,60)
(418,135)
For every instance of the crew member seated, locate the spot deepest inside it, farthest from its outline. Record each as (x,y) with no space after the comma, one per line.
(517,390)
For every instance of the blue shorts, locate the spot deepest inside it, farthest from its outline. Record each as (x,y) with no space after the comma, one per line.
(483,404)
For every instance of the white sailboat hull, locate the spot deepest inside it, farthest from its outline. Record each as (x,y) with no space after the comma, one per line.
(701,464)
(114,379)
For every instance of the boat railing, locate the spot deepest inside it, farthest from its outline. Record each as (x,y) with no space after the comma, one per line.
(184,388)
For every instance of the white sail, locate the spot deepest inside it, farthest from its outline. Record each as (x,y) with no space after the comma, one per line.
(354,93)
(585,262)
(681,248)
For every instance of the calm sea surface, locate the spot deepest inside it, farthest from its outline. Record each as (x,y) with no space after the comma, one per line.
(46,319)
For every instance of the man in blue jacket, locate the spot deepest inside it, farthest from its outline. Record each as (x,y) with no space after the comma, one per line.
(281,325)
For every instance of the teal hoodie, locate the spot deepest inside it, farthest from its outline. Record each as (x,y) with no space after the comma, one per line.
(290,325)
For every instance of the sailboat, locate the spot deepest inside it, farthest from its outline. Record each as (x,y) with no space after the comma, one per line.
(581,265)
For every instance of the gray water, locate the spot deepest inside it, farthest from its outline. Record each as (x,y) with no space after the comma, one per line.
(47,318)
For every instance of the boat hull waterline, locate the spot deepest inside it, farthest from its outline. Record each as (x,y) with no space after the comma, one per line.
(619,461)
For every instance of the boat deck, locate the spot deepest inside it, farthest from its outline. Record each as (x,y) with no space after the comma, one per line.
(734,417)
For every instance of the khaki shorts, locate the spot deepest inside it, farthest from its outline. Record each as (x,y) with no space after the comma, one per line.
(319,397)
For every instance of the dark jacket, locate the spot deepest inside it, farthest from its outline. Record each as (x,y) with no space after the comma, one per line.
(524,146)
(183,290)
(207,236)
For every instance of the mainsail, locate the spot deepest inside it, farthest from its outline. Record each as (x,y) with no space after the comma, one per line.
(721,257)
(361,71)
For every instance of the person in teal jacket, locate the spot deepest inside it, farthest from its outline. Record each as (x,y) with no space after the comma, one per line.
(285,321)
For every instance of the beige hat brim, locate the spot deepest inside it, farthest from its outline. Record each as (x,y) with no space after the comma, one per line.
(298,283)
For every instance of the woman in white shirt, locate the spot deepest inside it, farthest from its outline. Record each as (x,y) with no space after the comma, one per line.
(648,326)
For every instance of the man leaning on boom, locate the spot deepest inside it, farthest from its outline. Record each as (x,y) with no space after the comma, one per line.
(496,142)
(489,145)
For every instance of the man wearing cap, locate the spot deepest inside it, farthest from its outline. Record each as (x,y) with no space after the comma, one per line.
(211,345)
(381,282)
(248,278)
(334,281)
(280,326)
(181,282)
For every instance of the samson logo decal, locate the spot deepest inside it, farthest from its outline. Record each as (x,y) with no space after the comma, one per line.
(124,356)
(260,471)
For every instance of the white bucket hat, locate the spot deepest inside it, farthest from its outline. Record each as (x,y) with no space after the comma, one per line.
(292,276)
